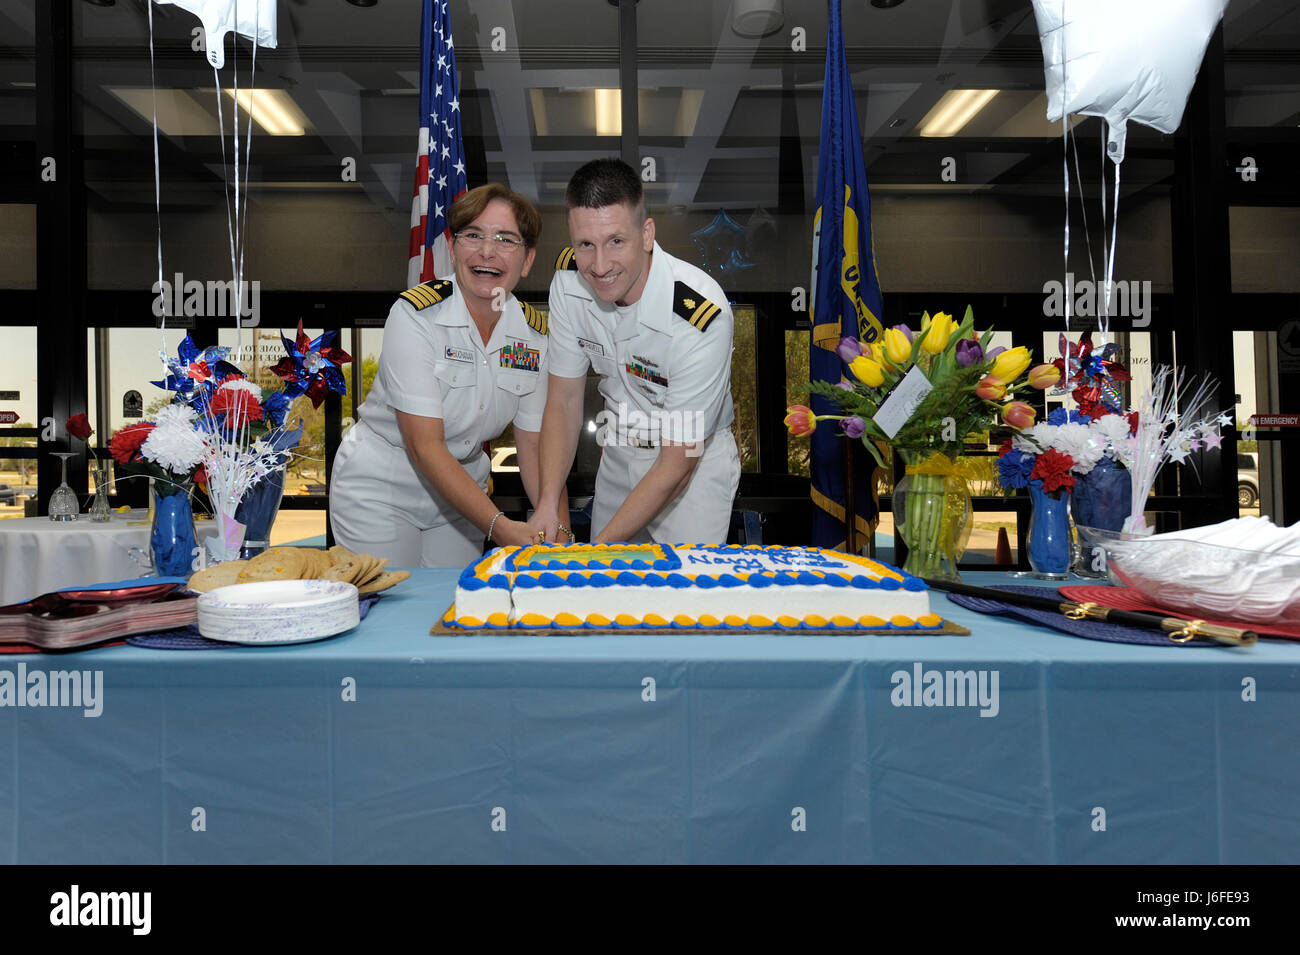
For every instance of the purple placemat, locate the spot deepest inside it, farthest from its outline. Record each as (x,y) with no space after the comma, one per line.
(1088,629)
(189,638)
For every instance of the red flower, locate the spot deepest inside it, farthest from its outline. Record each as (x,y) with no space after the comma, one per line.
(201,476)
(79,427)
(125,446)
(1132,422)
(1053,469)
(239,406)
(1006,447)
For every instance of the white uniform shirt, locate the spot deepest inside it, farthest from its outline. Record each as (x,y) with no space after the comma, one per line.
(434,364)
(666,358)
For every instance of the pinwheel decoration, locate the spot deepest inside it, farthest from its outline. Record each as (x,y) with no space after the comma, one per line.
(1091,377)
(312,366)
(195,373)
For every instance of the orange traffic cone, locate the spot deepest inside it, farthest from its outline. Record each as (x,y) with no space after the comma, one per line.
(1003,553)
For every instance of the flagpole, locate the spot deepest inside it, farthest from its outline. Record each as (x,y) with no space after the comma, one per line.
(850,506)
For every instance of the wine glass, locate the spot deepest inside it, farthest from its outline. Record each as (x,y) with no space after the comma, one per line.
(63,502)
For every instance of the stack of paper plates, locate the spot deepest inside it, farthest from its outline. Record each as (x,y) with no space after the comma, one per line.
(278,611)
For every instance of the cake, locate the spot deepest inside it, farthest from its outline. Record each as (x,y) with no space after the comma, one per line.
(657,586)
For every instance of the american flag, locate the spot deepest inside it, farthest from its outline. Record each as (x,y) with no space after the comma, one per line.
(440,167)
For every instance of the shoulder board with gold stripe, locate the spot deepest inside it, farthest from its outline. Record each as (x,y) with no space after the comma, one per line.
(535,319)
(566,260)
(427,293)
(693,306)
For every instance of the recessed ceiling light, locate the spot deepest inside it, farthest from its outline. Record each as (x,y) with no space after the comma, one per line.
(757,18)
(363,3)
(101,3)
(886,4)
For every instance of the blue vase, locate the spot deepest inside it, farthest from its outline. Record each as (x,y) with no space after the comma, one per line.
(1103,497)
(257,513)
(1050,548)
(171,538)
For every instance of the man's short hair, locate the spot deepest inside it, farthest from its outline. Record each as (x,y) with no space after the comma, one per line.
(471,205)
(606,182)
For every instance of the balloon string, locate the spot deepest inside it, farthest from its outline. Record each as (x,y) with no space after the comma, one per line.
(225,181)
(157,190)
(238,235)
(248,166)
(1110,259)
(1087,235)
(1065,164)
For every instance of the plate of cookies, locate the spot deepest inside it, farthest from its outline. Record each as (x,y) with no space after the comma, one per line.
(363,571)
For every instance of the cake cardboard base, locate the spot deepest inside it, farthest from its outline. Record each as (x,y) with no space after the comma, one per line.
(949,629)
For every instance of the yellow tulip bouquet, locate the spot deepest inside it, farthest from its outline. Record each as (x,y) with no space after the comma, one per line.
(970,388)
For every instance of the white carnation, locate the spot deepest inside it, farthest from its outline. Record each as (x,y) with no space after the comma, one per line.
(1112,431)
(175,414)
(1080,444)
(174,445)
(242,384)
(1034,440)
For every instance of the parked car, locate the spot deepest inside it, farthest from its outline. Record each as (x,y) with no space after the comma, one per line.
(8,494)
(1247,479)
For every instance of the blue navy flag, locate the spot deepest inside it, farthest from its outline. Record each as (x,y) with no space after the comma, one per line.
(846,291)
(440,165)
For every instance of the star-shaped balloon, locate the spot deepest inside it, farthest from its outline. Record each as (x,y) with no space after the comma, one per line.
(1090,376)
(312,366)
(195,373)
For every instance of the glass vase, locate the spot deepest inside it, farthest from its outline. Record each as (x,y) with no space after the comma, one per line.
(99,511)
(172,540)
(1101,500)
(1050,547)
(931,513)
(257,513)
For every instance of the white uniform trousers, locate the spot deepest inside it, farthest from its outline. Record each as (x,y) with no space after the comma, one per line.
(381,505)
(701,514)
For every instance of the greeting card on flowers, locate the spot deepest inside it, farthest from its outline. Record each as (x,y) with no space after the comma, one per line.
(902,401)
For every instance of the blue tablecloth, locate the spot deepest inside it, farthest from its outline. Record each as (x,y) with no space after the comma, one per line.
(390,745)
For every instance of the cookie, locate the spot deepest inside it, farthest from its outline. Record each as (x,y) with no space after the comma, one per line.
(371,570)
(384,581)
(218,575)
(286,564)
(346,570)
(339,554)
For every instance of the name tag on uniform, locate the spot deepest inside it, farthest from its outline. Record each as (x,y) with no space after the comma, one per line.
(459,353)
(596,348)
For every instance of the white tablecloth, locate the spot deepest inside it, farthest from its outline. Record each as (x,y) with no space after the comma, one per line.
(38,555)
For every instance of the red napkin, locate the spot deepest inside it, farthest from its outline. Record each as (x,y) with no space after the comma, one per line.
(1126,598)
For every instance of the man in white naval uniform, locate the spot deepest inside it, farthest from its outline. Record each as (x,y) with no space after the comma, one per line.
(658,332)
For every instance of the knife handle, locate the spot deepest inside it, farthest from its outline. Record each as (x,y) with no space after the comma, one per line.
(1180,631)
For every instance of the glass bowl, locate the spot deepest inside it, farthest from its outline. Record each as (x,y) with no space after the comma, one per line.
(1191,577)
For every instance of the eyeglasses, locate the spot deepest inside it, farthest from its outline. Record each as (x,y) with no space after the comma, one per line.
(503,243)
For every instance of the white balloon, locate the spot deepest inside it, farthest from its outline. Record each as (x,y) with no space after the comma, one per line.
(254,19)
(1124,59)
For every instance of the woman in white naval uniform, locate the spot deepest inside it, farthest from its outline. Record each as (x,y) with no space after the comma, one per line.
(460,361)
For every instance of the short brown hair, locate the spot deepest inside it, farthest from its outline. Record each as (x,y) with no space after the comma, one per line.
(471,205)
